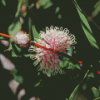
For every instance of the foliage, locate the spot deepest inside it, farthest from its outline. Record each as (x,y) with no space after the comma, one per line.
(86,28)
(3,2)
(16,77)
(83,73)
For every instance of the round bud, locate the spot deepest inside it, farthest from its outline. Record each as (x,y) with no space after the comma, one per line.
(22,39)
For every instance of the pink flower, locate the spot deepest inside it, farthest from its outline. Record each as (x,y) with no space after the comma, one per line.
(55,39)
(21,39)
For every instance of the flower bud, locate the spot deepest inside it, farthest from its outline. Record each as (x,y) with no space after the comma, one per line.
(22,39)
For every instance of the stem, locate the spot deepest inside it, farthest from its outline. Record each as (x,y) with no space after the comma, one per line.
(5,35)
(97,98)
(30,27)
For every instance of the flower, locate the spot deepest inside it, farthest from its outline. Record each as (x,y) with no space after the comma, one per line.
(54,39)
(21,39)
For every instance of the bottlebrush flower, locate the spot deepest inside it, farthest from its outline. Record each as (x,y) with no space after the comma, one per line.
(53,40)
(21,39)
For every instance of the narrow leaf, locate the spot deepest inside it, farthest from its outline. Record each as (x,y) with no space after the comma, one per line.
(97,98)
(71,66)
(13,29)
(45,3)
(49,4)
(77,66)
(37,84)
(59,16)
(88,32)
(14,54)
(27,55)
(90,38)
(66,98)
(82,17)
(19,8)
(95,92)
(1,37)
(3,2)
(34,32)
(84,86)
(57,10)
(19,79)
(91,75)
(99,88)
(63,63)
(14,72)
(96,11)
(97,4)
(72,96)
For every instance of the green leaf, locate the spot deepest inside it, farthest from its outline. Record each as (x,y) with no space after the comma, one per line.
(90,38)
(32,5)
(71,66)
(14,54)
(13,51)
(95,92)
(57,10)
(91,75)
(97,98)
(59,16)
(97,9)
(77,66)
(84,86)
(86,74)
(65,58)
(48,5)
(20,2)
(18,49)
(45,3)
(14,71)
(26,2)
(44,30)
(82,17)
(30,26)
(72,96)
(19,79)
(99,88)
(27,55)
(13,29)
(97,4)
(34,32)
(38,73)
(1,37)
(66,98)
(3,2)
(10,47)
(41,85)
(88,32)
(63,63)
(37,84)
(69,51)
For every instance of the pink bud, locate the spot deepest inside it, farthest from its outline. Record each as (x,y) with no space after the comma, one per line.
(22,39)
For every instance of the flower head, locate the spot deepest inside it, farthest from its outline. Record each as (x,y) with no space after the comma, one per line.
(54,39)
